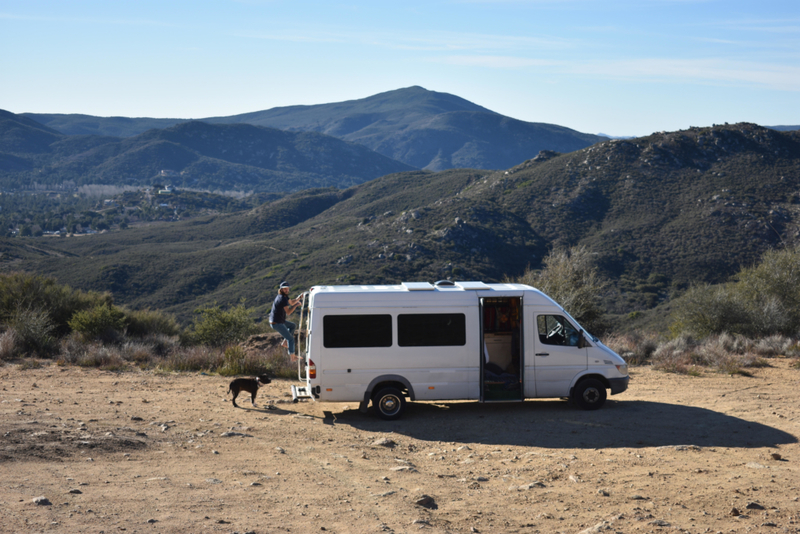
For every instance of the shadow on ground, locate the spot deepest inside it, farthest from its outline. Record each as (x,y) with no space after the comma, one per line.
(556,424)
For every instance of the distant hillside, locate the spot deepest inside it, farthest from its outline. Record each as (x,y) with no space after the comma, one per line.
(191,154)
(77,124)
(660,213)
(424,129)
(785,128)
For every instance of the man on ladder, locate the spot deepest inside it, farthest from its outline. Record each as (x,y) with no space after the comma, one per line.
(282,307)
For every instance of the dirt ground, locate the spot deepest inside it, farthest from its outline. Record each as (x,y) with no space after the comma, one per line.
(147,452)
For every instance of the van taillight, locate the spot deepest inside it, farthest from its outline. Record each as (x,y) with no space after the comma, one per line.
(312,369)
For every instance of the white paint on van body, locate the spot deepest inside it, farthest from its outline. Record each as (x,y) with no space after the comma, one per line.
(450,372)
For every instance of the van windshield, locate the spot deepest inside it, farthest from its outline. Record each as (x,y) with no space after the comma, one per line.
(576,323)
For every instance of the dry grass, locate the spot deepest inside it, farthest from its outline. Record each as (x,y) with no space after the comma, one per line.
(196,358)
(726,353)
(636,348)
(8,344)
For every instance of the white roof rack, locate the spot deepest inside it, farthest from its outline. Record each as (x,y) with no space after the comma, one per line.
(472,286)
(418,286)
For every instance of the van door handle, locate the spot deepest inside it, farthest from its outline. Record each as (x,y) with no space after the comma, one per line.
(542,354)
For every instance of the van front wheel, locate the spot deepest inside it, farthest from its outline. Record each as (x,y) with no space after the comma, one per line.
(390,403)
(590,394)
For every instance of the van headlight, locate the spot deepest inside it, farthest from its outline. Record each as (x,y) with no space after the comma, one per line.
(623,369)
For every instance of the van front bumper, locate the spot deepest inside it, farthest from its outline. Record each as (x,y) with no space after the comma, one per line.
(618,385)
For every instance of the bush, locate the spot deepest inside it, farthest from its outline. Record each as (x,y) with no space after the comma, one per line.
(570,278)
(279,365)
(218,328)
(676,355)
(635,348)
(8,345)
(764,300)
(101,323)
(238,362)
(140,353)
(103,357)
(776,278)
(33,332)
(197,358)
(143,323)
(706,310)
(34,292)
(726,353)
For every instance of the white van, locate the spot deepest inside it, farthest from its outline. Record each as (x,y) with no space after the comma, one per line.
(450,341)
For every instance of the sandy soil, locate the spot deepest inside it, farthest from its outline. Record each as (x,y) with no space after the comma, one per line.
(146,452)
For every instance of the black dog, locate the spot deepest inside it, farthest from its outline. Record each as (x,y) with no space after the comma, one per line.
(249,385)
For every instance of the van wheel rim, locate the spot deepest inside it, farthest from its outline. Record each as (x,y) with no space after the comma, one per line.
(591,395)
(389,404)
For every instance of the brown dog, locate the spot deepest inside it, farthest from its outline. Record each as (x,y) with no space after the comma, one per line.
(249,385)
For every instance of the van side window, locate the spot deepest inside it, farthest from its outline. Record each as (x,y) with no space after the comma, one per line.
(431,330)
(352,331)
(556,330)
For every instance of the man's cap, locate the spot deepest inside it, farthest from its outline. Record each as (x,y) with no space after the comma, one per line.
(284,284)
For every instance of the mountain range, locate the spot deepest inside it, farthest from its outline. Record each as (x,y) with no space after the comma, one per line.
(421,128)
(659,213)
(191,154)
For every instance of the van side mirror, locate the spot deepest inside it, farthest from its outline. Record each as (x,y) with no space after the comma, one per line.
(582,343)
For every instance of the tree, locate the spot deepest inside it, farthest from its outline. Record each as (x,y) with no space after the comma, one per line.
(570,278)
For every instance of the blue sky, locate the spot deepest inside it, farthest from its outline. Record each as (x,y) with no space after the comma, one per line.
(619,67)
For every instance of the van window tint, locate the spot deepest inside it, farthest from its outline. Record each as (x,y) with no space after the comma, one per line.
(431,330)
(351,331)
(556,330)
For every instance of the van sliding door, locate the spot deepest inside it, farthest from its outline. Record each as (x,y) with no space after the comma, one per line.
(502,362)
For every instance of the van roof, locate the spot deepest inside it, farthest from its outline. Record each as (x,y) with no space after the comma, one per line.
(411,294)
(424,286)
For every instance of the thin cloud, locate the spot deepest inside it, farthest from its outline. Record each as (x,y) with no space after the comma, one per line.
(417,41)
(680,71)
(773,76)
(495,62)
(87,20)
(776,26)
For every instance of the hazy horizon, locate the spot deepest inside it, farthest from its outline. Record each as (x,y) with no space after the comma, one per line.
(621,67)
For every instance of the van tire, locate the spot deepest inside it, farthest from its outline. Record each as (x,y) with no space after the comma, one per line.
(389,403)
(589,394)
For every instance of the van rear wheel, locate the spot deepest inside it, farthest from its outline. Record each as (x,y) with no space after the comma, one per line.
(390,403)
(590,394)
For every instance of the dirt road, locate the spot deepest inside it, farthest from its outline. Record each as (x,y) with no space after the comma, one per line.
(147,452)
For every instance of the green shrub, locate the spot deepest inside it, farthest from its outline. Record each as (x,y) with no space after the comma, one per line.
(218,328)
(776,277)
(33,330)
(142,323)
(102,323)
(238,362)
(36,292)
(763,300)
